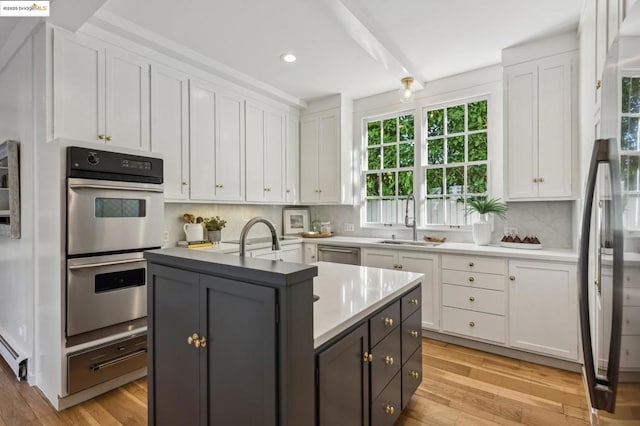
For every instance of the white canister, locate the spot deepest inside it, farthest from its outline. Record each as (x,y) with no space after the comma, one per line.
(193,231)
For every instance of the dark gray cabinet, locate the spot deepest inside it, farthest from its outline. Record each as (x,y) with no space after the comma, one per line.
(368,375)
(230,341)
(343,381)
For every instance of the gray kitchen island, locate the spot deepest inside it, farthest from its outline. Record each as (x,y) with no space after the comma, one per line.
(237,340)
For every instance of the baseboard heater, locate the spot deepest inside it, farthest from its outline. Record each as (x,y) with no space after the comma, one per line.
(17,362)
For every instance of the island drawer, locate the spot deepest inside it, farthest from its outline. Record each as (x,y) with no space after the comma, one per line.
(411,335)
(474,264)
(474,299)
(411,376)
(383,322)
(474,324)
(631,320)
(631,296)
(385,409)
(474,279)
(386,361)
(411,302)
(630,352)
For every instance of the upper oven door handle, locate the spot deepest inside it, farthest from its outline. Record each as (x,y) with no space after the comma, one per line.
(118,188)
(97,265)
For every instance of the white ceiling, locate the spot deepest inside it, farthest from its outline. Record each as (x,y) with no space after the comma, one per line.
(7,25)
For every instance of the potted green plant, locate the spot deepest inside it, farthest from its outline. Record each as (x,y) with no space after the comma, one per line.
(484,207)
(214,227)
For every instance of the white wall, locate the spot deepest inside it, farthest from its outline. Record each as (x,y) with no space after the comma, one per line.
(17,256)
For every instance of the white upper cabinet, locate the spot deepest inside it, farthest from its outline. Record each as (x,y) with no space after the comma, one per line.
(265,144)
(326,153)
(101,93)
(292,161)
(169,128)
(539,128)
(216,143)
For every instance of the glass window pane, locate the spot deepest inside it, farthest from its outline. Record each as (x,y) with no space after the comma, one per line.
(406,154)
(631,213)
(629,131)
(477,179)
(373,185)
(455,180)
(390,130)
(477,116)
(455,211)
(630,165)
(389,184)
(455,119)
(390,156)
(455,150)
(631,95)
(435,151)
(373,211)
(435,211)
(373,133)
(435,123)
(373,158)
(477,147)
(626,92)
(405,182)
(435,181)
(389,210)
(406,127)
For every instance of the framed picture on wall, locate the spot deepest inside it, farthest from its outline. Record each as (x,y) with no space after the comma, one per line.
(295,221)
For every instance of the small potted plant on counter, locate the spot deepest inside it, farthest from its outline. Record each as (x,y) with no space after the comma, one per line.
(214,227)
(484,207)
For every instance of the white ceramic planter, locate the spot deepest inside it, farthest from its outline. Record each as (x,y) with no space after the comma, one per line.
(482,231)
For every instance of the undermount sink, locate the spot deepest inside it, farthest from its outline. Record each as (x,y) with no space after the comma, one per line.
(408,243)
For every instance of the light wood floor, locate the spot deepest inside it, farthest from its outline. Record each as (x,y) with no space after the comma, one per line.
(460,387)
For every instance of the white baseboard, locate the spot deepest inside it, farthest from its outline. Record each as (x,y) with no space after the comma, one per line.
(17,361)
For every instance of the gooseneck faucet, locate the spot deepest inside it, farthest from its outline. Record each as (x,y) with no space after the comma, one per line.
(406,217)
(275,245)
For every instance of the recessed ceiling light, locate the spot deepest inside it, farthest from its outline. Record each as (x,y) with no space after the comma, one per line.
(288,57)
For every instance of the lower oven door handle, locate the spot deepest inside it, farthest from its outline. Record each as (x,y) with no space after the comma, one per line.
(116,361)
(117,188)
(97,265)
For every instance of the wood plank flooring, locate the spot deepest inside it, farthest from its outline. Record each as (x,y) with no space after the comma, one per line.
(460,387)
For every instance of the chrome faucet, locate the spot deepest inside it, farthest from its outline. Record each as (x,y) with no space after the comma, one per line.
(406,217)
(275,245)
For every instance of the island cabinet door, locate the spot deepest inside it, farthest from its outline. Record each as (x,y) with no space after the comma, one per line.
(174,371)
(343,381)
(238,321)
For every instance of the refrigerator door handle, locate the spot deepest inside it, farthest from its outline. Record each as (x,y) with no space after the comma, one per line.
(602,390)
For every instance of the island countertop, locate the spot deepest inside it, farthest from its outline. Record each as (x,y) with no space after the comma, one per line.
(350,293)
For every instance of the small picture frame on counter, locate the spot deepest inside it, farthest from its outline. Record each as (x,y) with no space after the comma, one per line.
(295,221)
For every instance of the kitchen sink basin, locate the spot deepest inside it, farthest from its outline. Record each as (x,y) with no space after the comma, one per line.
(408,243)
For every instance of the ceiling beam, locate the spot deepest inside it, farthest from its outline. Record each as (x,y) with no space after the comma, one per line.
(374,41)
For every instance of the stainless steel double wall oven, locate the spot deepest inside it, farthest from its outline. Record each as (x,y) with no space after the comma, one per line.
(114,212)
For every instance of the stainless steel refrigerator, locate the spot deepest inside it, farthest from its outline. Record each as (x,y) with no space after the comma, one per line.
(609,262)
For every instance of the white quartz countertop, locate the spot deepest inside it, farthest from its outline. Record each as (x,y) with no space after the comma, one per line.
(560,255)
(228,248)
(350,293)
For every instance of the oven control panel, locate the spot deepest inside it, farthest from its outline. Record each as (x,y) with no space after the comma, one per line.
(109,165)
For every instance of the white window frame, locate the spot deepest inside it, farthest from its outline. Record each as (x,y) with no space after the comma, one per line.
(628,73)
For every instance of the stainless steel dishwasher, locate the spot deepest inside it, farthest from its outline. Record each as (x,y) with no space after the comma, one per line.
(349,255)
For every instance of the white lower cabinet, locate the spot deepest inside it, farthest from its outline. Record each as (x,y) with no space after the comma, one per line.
(413,261)
(310,253)
(543,308)
(287,253)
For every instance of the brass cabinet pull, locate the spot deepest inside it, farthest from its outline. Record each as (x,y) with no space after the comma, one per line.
(193,338)
(219,185)
(415,374)
(108,138)
(472,299)
(267,189)
(535,180)
(288,191)
(512,277)
(413,301)
(400,266)
(389,409)
(472,324)
(367,357)
(471,279)
(101,137)
(388,322)
(413,333)
(388,360)
(471,264)
(201,343)
(598,84)
(185,183)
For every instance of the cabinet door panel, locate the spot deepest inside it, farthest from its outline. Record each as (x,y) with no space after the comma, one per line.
(554,138)
(292,187)
(381,414)
(255,145)
(543,308)
(274,170)
(343,388)
(229,168)
(169,135)
(202,138)
(127,99)
(428,265)
(309,161)
(522,131)
(290,254)
(379,258)
(329,158)
(79,85)
(387,361)
(239,386)
(174,294)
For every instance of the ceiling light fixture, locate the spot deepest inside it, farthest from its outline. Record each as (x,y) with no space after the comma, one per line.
(406,94)
(288,57)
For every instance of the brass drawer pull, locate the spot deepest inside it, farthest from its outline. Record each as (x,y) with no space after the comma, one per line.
(388,360)
(472,324)
(367,357)
(413,333)
(415,374)
(416,301)
(472,299)
(389,409)
(471,279)
(193,338)
(388,322)
(512,277)
(471,264)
